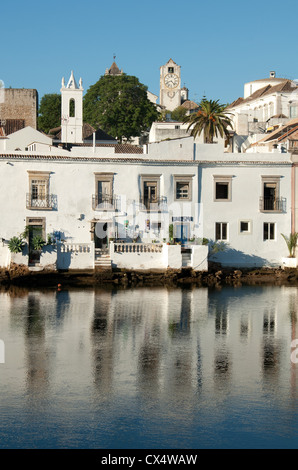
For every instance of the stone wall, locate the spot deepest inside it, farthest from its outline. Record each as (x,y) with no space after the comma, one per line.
(20,104)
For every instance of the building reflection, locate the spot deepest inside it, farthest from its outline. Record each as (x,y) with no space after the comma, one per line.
(37,361)
(151,342)
(102,350)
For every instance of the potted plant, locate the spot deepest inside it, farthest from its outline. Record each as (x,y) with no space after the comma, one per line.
(16,244)
(171,234)
(38,243)
(291,242)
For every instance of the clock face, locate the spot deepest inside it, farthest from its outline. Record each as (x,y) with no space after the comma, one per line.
(171,80)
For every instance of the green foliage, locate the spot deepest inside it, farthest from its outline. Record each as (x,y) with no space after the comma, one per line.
(291,242)
(50,239)
(171,232)
(216,246)
(212,119)
(16,244)
(49,113)
(38,242)
(26,232)
(119,106)
(163,115)
(179,114)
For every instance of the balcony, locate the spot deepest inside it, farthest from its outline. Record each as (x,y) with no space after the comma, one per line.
(105,202)
(157,204)
(45,202)
(269,204)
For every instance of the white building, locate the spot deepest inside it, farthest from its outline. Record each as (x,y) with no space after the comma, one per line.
(95,201)
(87,201)
(266,104)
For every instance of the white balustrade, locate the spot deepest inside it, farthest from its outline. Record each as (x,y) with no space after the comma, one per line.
(75,248)
(138,247)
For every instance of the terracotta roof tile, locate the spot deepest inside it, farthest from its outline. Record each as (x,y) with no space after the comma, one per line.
(188,104)
(280,133)
(128,148)
(285,86)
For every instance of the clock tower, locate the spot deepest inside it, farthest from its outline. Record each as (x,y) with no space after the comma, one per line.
(170,85)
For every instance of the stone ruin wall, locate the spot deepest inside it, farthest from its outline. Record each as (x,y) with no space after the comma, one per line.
(20,104)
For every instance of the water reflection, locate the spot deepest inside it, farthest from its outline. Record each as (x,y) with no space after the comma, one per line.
(183,362)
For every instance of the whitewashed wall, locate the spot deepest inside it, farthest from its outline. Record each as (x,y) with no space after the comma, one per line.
(72,182)
(246,249)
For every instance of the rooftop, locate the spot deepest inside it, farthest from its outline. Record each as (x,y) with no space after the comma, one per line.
(285,86)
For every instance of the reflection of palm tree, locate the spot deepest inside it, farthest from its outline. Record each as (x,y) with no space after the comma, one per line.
(211,119)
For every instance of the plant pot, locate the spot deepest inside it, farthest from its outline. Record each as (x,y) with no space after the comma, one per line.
(289,262)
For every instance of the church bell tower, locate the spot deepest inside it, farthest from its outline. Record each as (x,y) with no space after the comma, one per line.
(170,85)
(72,111)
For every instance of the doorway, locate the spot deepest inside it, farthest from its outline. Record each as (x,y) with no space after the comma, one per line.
(35,227)
(182,233)
(99,234)
(34,254)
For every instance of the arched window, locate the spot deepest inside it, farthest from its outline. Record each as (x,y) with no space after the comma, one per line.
(72,108)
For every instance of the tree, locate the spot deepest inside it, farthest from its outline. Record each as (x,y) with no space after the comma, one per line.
(211,119)
(179,114)
(119,105)
(49,113)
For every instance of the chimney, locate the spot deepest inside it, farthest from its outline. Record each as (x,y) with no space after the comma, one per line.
(272,74)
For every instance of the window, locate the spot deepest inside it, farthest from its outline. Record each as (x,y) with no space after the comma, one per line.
(103,197)
(72,108)
(269,231)
(245,226)
(150,191)
(183,187)
(222,188)
(170,69)
(222,191)
(38,196)
(270,199)
(221,231)
(182,190)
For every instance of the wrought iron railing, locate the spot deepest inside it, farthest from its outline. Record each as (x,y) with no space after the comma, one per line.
(40,202)
(104,202)
(273,204)
(154,204)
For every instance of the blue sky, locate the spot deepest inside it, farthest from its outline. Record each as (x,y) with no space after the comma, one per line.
(220,45)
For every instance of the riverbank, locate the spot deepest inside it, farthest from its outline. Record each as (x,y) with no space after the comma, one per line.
(20,275)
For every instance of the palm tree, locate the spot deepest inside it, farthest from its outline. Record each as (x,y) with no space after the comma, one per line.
(291,242)
(212,119)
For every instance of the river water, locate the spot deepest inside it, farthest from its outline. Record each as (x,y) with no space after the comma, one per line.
(152,368)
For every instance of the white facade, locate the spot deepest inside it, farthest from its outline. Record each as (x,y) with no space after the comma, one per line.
(255,85)
(22,139)
(170,85)
(72,111)
(162,132)
(86,200)
(266,103)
